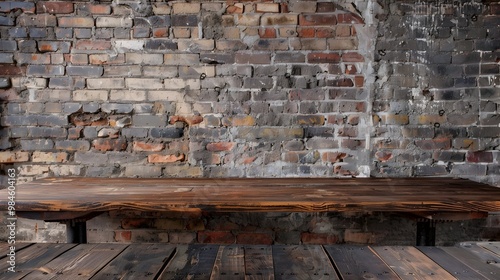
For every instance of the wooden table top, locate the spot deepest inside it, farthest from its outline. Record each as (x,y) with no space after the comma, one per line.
(232,262)
(258,195)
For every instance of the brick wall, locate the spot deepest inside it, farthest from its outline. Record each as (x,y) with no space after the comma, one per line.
(250,89)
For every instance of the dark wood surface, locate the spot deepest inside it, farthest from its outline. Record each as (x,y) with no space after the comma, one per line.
(229,195)
(213,262)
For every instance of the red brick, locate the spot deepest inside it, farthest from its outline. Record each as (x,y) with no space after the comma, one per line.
(319,238)
(110,144)
(254,238)
(345,82)
(12,70)
(480,156)
(161,32)
(140,146)
(54,7)
(156,158)
(220,146)
(359,81)
(96,9)
(352,57)
(219,237)
(267,33)
(93,45)
(333,157)
(325,32)
(76,58)
(323,57)
(235,9)
(307,32)
(123,235)
(136,223)
(349,18)
(350,69)
(383,155)
(315,19)
(189,120)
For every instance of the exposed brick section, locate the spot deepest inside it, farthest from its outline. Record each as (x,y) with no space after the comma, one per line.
(249,89)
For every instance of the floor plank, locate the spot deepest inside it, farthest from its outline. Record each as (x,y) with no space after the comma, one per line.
(494,247)
(138,261)
(480,266)
(230,263)
(33,257)
(410,263)
(359,262)
(482,253)
(81,262)
(454,266)
(5,247)
(302,262)
(259,262)
(191,262)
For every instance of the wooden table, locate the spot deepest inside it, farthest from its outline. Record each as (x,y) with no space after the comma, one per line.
(165,261)
(79,199)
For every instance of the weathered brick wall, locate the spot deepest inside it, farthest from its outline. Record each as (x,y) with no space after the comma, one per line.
(249,89)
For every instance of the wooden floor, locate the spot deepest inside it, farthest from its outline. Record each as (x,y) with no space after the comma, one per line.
(164,261)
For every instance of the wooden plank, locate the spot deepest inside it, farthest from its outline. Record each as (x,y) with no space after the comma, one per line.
(410,263)
(81,262)
(256,194)
(454,266)
(485,255)
(138,261)
(5,247)
(229,264)
(474,262)
(493,247)
(33,257)
(302,262)
(259,262)
(359,262)
(191,262)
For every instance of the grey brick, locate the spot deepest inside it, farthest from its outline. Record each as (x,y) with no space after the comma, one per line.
(8,45)
(134,132)
(185,20)
(91,107)
(101,171)
(7,6)
(30,120)
(469,170)
(83,33)
(90,132)
(465,82)
(19,132)
(149,121)
(484,132)
(117,108)
(64,33)
(269,133)
(216,58)
(72,145)
(124,157)
(46,70)
(143,171)
(7,20)
(5,83)
(52,120)
(70,108)
(37,32)
(27,46)
(54,46)
(37,145)
(91,158)
(122,33)
(87,71)
(61,83)
(263,82)
(103,33)
(51,132)
(159,44)
(427,170)
(6,58)
(170,132)
(18,32)
(153,21)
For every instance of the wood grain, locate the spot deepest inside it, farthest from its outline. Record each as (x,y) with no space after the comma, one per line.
(302,262)
(259,262)
(230,263)
(480,266)
(257,195)
(191,262)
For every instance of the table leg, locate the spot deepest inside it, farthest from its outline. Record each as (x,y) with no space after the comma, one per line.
(76,232)
(426,233)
